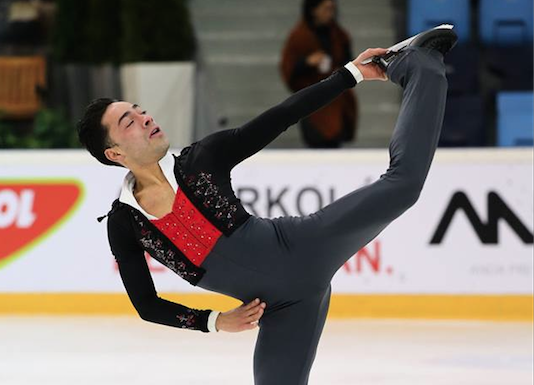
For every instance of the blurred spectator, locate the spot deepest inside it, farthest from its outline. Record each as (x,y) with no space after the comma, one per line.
(317,46)
(24,25)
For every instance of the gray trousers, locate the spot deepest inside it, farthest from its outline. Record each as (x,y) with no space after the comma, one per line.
(289,262)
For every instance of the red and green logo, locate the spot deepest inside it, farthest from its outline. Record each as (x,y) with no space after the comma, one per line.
(31,210)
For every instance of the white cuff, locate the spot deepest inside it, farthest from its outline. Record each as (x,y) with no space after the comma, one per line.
(211,320)
(354,71)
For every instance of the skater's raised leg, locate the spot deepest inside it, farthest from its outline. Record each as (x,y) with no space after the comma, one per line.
(329,237)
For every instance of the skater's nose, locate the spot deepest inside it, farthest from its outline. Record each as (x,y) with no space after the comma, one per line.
(147,120)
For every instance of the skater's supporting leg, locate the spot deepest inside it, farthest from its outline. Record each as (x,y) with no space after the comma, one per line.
(288,339)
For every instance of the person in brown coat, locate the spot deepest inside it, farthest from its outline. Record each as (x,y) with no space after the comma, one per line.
(316,47)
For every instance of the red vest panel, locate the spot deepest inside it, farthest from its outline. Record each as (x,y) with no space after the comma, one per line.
(188,229)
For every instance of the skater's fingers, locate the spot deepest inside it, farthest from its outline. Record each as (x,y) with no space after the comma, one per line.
(251,312)
(379,72)
(376,51)
(252,303)
(370,52)
(254,309)
(249,305)
(254,316)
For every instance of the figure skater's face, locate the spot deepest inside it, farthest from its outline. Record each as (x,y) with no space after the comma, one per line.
(325,12)
(137,139)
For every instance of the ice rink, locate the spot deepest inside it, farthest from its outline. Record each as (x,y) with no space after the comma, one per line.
(126,350)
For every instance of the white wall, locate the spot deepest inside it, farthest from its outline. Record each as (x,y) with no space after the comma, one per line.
(166,91)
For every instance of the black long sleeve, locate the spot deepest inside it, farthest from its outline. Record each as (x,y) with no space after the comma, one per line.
(214,157)
(230,147)
(139,285)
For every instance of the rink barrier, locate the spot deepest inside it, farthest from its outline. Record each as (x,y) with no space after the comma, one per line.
(457,307)
(469,279)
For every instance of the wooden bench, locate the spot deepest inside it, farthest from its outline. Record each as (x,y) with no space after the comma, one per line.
(21,77)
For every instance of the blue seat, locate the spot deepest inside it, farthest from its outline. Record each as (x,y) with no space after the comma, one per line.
(464,124)
(426,14)
(506,22)
(515,119)
(462,66)
(509,67)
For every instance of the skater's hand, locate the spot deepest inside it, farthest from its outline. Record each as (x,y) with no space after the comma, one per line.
(244,317)
(371,71)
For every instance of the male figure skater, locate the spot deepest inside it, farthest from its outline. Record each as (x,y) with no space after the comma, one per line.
(183,212)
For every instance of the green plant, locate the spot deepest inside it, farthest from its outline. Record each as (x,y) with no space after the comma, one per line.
(4,129)
(156,31)
(54,130)
(119,31)
(68,36)
(87,31)
(51,129)
(103,31)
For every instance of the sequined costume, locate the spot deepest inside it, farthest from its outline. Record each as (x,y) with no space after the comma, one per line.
(288,262)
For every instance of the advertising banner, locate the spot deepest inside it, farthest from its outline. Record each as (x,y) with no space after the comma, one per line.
(471,232)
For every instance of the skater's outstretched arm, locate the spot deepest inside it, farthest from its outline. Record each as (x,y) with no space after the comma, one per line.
(231,147)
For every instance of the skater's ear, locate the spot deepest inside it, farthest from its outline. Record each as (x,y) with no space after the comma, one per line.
(114,154)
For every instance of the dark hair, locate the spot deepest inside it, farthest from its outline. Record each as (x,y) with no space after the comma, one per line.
(307,10)
(93,135)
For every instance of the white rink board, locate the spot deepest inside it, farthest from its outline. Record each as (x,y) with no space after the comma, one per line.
(76,257)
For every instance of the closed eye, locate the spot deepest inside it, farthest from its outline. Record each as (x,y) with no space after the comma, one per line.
(141,113)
